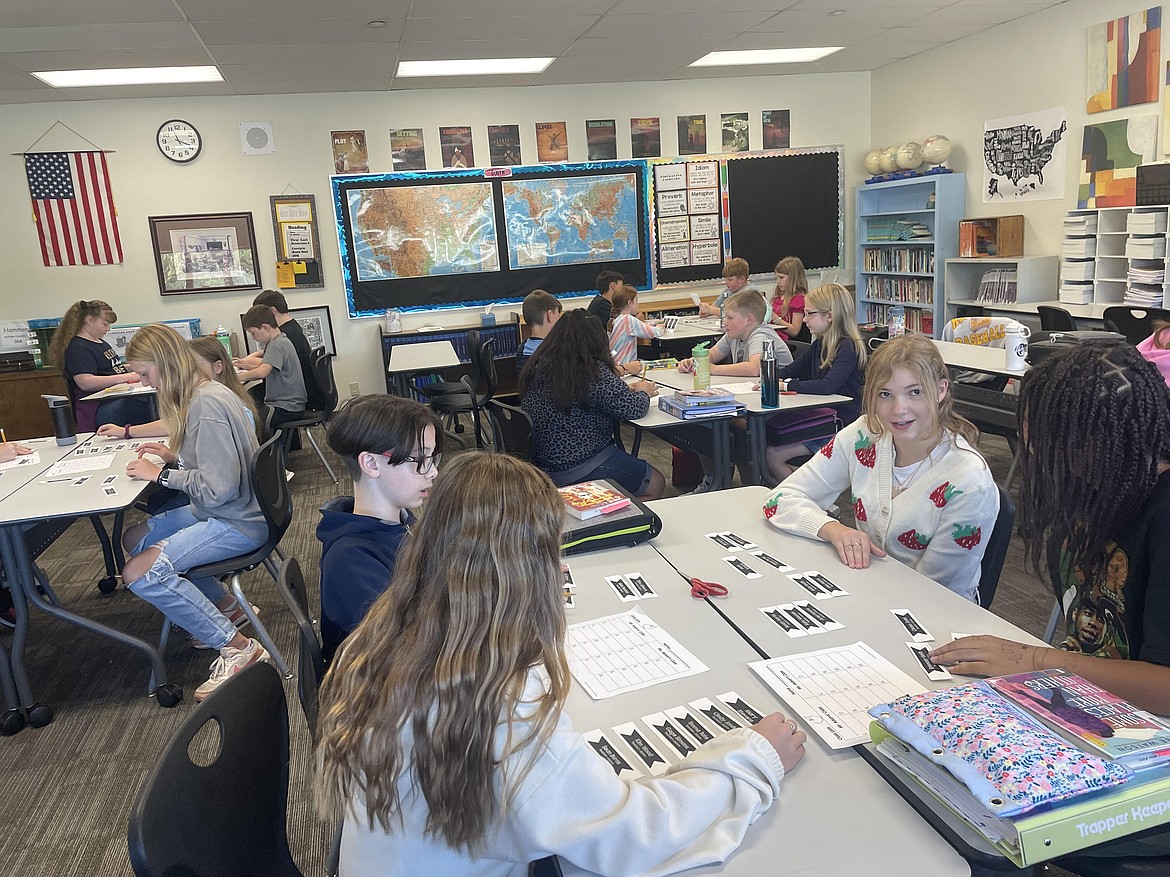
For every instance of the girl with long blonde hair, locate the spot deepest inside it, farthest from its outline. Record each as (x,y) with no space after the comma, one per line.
(443,739)
(208,456)
(921,491)
(788,300)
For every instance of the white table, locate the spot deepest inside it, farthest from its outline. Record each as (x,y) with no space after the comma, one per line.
(992,360)
(830,796)
(118,391)
(407,360)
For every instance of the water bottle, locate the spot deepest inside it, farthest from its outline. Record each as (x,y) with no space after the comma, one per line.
(63,425)
(702,360)
(224,337)
(769,378)
(897,321)
(1015,338)
(392,321)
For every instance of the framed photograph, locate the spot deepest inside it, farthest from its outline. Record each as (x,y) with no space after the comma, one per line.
(208,252)
(316,323)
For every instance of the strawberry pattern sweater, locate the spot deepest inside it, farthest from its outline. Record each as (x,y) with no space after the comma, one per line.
(939,524)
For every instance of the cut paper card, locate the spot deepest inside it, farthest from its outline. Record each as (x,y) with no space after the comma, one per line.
(638,582)
(652,760)
(669,733)
(733,700)
(686,720)
(805,619)
(913,626)
(722,541)
(772,561)
(603,746)
(742,568)
(33,459)
(819,616)
(934,672)
(720,718)
(780,618)
(738,542)
(622,588)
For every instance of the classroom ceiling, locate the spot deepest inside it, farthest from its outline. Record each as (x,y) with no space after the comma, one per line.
(299,46)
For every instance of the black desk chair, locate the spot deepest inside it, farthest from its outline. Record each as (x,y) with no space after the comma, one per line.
(312,665)
(796,348)
(996,551)
(470,400)
(323,370)
(441,388)
(1054,319)
(511,429)
(188,820)
(1136,324)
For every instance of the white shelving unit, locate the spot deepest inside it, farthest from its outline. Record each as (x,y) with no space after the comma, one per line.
(1102,246)
(1036,282)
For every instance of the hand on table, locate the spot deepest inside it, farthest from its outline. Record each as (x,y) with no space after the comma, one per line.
(987,656)
(143,470)
(648,387)
(159,450)
(111,430)
(853,546)
(786,738)
(686,366)
(9,451)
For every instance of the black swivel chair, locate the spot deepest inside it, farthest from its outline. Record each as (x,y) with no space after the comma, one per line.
(1136,324)
(312,665)
(441,388)
(796,348)
(996,551)
(189,819)
(323,371)
(511,429)
(1054,319)
(471,400)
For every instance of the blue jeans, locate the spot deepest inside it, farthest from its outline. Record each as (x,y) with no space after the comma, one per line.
(186,542)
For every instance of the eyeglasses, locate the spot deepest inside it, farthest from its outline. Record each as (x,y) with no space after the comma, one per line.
(424,464)
(815,313)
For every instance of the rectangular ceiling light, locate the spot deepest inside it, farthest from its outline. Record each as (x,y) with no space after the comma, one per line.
(473,67)
(765,56)
(128,76)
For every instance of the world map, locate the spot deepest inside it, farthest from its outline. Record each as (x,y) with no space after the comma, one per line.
(570,220)
(422,231)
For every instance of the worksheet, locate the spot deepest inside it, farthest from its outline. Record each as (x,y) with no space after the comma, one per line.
(619,653)
(74,465)
(832,689)
(33,459)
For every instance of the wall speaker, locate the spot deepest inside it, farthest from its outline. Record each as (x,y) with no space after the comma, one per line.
(256,138)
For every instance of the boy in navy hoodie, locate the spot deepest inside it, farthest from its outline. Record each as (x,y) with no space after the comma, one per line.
(392,447)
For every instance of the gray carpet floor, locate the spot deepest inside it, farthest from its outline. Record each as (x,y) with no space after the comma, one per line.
(68,787)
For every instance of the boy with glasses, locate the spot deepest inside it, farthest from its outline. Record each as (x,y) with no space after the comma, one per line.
(391,447)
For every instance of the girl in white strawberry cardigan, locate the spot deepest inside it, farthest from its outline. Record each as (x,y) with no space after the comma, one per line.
(921,492)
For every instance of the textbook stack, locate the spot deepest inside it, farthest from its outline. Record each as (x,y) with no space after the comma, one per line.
(998,286)
(1035,808)
(695,404)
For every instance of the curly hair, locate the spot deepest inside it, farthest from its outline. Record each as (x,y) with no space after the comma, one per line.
(1095,423)
(71,324)
(567,363)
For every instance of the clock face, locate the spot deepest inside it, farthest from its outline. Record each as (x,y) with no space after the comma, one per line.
(179,141)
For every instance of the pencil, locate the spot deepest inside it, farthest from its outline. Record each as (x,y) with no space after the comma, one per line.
(3,437)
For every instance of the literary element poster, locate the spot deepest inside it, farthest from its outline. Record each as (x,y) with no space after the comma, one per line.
(689,226)
(777,129)
(692,135)
(406,150)
(455,142)
(645,138)
(1024,156)
(504,145)
(552,142)
(735,132)
(349,152)
(601,138)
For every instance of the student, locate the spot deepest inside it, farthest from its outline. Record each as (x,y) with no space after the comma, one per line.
(270,298)
(627,329)
(1156,348)
(391,447)
(739,351)
(601,306)
(735,278)
(788,313)
(444,743)
(541,311)
(284,387)
(921,492)
(833,364)
(9,451)
(576,400)
(211,447)
(90,364)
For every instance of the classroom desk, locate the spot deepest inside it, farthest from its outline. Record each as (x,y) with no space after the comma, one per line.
(38,500)
(828,794)
(119,391)
(407,360)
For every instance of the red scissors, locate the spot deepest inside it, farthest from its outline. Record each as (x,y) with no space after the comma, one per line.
(701,590)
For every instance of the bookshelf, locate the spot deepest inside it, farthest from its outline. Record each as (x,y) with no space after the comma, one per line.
(1114,255)
(1036,282)
(891,270)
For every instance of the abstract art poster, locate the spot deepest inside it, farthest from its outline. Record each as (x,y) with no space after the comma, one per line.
(1110,155)
(1125,61)
(1024,157)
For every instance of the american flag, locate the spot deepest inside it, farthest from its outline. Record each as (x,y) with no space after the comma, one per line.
(73,207)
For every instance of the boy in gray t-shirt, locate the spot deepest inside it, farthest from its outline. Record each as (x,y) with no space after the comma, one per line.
(739,351)
(284,384)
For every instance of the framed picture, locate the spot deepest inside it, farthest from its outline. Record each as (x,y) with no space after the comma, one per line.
(208,252)
(316,323)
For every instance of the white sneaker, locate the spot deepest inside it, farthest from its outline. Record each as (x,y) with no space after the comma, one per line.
(288,474)
(236,616)
(705,485)
(228,664)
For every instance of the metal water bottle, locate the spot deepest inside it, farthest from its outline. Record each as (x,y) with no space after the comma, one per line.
(769,378)
(1015,340)
(63,424)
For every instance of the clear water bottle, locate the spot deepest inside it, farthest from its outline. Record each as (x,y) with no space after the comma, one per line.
(769,378)
(224,337)
(897,321)
(392,321)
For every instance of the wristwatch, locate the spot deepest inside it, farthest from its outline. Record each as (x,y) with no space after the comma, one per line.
(161,481)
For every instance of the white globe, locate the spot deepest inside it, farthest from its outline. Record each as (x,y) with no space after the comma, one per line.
(936,149)
(909,155)
(889,159)
(873,162)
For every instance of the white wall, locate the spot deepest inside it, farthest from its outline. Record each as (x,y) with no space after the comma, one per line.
(1029,64)
(826,109)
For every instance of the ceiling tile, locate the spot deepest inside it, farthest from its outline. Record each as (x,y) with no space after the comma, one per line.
(314,53)
(683,45)
(237,33)
(639,68)
(983,15)
(497,28)
(312,86)
(86,59)
(361,71)
(490,8)
(672,7)
(654,27)
(294,10)
(426,82)
(96,36)
(548,47)
(50,13)
(803,37)
(798,20)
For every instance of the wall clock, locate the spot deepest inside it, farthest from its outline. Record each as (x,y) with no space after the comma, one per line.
(179,141)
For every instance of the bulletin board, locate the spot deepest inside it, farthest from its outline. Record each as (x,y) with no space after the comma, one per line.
(298,248)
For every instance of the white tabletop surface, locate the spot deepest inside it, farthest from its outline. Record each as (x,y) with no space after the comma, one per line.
(422,356)
(831,794)
(48,451)
(673,379)
(120,390)
(992,360)
(696,328)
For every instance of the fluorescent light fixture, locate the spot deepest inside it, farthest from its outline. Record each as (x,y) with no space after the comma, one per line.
(473,67)
(128,76)
(765,56)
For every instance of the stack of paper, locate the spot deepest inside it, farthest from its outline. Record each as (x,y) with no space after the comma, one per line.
(1072,293)
(1080,224)
(1146,223)
(1077,269)
(1079,248)
(1146,247)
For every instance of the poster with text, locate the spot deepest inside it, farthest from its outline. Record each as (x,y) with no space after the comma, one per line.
(735,132)
(552,142)
(601,137)
(456,145)
(349,152)
(692,135)
(406,150)
(504,145)
(1024,157)
(645,137)
(777,129)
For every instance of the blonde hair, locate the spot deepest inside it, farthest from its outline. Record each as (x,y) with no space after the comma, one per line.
(444,654)
(210,350)
(748,301)
(917,355)
(838,301)
(178,374)
(71,323)
(792,268)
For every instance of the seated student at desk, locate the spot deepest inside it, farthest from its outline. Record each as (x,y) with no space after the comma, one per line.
(391,447)
(444,743)
(601,305)
(627,328)
(89,364)
(284,386)
(735,278)
(541,311)
(289,327)
(738,353)
(921,491)
(788,300)
(571,390)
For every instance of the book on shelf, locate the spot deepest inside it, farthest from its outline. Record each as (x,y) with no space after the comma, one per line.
(704,397)
(997,286)
(589,499)
(696,412)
